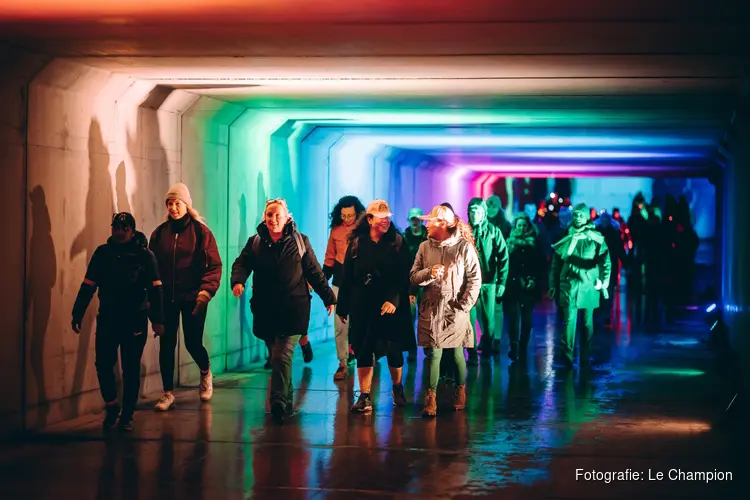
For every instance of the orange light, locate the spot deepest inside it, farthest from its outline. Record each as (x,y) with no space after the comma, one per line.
(630,245)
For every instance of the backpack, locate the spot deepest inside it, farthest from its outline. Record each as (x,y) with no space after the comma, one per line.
(297,239)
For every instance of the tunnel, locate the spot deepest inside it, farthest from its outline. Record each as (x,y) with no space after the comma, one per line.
(107,104)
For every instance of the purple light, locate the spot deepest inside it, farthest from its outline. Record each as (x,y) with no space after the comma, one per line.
(591,170)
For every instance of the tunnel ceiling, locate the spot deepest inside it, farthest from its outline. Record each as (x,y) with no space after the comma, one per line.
(573,82)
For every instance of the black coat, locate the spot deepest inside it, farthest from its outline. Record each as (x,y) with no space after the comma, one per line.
(387,264)
(280,300)
(527,262)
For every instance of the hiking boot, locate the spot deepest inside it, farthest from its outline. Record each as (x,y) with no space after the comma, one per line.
(459,398)
(363,404)
(342,372)
(307,352)
(166,401)
(430,404)
(399,399)
(206,388)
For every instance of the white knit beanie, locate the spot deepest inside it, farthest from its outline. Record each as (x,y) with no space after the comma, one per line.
(180,192)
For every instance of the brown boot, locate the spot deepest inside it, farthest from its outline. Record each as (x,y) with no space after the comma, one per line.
(459,398)
(430,404)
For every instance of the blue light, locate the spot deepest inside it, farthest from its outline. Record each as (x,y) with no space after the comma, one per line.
(711,308)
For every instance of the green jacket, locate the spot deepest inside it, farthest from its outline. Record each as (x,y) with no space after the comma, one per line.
(493,255)
(580,259)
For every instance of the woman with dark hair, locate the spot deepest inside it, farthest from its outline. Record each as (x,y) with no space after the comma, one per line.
(527,266)
(447,266)
(343,216)
(374,296)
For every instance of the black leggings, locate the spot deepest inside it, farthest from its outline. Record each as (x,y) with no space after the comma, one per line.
(109,337)
(192,331)
(366,355)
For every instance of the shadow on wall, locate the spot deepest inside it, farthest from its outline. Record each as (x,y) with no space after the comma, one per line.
(258,350)
(99,211)
(245,326)
(151,168)
(42,278)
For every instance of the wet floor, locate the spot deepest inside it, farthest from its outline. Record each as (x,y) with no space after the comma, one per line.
(650,405)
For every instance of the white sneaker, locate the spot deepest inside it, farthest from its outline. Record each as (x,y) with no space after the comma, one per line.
(165,402)
(206,389)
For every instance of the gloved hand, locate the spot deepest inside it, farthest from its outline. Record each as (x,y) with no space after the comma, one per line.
(201,304)
(76,324)
(499,292)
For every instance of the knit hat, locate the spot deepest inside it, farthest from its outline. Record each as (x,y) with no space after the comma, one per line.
(581,207)
(179,192)
(443,213)
(415,212)
(379,208)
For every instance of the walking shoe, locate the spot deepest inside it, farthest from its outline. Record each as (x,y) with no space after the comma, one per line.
(459,398)
(126,424)
(363,404)
(206,389)
(307,352)
(166,401)
(110,416)
(342,372)
(399,399)
(430,404)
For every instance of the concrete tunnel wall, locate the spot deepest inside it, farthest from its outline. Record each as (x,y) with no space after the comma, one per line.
(99,142)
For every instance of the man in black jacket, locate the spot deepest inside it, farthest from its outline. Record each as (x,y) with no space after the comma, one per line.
(125,272)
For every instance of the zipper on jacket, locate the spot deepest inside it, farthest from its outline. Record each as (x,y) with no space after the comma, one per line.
(174,263)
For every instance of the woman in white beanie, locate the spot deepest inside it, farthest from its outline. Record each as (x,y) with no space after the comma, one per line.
(190,267)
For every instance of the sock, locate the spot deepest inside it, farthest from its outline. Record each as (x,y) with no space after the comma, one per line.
(303,340)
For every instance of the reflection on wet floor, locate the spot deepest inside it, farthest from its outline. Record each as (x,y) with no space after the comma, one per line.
(650,403)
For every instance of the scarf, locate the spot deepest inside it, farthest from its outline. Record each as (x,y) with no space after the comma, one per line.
(566,246)
(519,239)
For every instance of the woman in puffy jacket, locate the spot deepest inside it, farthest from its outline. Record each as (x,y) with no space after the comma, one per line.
(447,266)
(190,268)
(282,264)
(527,269)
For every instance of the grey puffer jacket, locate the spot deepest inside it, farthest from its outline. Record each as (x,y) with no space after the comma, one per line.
(444,311)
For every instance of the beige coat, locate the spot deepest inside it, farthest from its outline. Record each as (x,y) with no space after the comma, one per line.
(444,310)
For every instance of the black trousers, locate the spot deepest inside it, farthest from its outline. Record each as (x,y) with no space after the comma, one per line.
(192,332)
(520,315)
(111,335)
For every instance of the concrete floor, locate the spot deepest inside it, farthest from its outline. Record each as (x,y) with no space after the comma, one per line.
(651,403)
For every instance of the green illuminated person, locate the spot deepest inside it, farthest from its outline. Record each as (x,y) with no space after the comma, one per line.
(580,274)
(493,260)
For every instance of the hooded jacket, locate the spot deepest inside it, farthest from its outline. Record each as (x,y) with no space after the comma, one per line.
(493,254)
(445,307)
(127,278)
(580,260)
(189,260)
(280,300)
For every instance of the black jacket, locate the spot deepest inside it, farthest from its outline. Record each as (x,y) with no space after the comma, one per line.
(188,257)
(127,278)
(373,274)
(280,300)
(414,240)
(526,262)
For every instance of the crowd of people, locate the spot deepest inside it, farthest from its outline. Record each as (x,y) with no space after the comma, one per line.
(443,284)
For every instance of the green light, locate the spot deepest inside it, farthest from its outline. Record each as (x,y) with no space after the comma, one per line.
(676,372)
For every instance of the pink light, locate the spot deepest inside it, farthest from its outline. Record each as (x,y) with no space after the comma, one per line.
(587,170)
(478,185)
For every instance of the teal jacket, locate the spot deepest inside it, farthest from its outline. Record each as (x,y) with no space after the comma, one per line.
(493,255)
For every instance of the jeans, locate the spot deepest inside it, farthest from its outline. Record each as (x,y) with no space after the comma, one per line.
(486,312)
(192,329)
(341,333)
(433,355)
(519,320)
(281,370)
(568,339)
(110,336)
